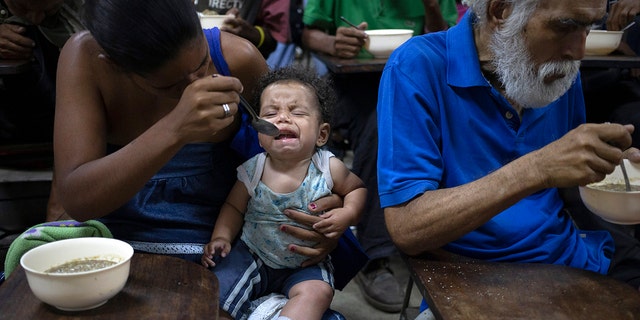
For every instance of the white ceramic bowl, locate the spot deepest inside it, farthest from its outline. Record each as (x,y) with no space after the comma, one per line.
(620,207)
(208,21)
(383,41)
(602,42)
(81,290)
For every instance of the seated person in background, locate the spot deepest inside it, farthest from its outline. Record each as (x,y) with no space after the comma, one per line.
(613,94)
(263,22)
(491,125)
(293,172)
(326,33)
(33,30)
(621,13)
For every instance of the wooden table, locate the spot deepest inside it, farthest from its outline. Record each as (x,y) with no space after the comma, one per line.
(159,287)
(360,65)
(461,288)
(357,65)
(610,61)
(12,67)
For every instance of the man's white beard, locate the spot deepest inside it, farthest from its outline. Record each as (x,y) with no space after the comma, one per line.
(516,71)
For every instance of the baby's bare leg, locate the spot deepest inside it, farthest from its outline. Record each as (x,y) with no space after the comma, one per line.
(308,300)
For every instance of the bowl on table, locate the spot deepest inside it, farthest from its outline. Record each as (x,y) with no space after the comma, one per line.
(93,271)
(609,198)
(383,41)
(602,42)
(208,21)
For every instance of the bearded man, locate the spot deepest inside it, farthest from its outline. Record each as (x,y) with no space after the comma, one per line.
(481,125)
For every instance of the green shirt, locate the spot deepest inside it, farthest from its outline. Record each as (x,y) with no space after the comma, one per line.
(383,14)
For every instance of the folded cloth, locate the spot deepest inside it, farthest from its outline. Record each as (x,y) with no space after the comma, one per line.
(50,232)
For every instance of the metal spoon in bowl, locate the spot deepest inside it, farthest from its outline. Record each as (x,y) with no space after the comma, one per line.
(261,125)
(627,185)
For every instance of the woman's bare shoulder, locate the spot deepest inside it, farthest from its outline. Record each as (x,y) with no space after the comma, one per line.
(244,59)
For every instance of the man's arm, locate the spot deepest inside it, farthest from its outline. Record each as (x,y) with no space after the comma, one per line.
(435,218)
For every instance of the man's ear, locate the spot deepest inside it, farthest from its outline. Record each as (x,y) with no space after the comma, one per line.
(498,11)
(323,136)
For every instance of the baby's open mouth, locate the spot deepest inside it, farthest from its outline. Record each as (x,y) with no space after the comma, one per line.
(286,135)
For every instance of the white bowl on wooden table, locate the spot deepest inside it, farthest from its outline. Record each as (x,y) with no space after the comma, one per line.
(77,290)
(383,41)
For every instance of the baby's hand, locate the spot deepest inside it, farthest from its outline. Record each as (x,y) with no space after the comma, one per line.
(214,248)
(332,226)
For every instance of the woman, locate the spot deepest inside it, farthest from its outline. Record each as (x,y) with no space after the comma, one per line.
(146,140)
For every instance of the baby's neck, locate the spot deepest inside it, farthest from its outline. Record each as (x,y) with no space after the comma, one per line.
(285,175)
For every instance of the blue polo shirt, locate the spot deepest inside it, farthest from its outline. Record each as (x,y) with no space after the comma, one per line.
(441,125)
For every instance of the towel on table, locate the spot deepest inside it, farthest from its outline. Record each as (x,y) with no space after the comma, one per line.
(49,232)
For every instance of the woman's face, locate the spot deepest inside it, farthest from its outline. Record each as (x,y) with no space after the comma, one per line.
(170,80)
(294,109)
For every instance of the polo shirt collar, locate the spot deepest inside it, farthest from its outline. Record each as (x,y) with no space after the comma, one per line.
(463,66)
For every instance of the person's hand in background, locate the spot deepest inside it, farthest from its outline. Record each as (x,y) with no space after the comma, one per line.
(349,41)
(13,42)
(260,36)
(622,13)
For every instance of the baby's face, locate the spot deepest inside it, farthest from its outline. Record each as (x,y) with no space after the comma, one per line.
(294,109)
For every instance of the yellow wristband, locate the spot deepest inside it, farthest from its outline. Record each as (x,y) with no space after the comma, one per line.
(261,31)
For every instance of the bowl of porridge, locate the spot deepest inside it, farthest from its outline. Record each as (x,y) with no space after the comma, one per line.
(609,198)
(77,274)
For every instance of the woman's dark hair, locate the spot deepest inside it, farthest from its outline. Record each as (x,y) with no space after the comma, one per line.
(321,86)
(140,36)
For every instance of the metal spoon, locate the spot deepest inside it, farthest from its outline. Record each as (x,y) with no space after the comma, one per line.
(628,26)
(348,22)
(627,185)
(261,125)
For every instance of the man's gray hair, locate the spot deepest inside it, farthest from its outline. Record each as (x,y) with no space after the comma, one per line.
(522,8)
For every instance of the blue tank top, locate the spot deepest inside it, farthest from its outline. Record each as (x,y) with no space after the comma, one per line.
(174,213)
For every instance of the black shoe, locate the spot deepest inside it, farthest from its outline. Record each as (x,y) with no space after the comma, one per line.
(379,287)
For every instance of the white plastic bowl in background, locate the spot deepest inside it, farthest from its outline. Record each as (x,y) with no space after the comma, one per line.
(383,41)
(81,290)
(602,42)
(209,21)
(619,207)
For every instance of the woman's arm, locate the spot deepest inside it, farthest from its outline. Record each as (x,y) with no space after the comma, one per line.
(92,184)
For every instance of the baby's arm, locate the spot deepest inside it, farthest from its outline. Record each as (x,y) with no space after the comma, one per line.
(349,186)
(228,225)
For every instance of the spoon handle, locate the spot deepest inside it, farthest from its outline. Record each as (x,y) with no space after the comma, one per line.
(348,22)
(627,185)
(247,106)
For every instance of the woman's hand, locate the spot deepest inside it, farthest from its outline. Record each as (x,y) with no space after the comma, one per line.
(200,113)
(324,245)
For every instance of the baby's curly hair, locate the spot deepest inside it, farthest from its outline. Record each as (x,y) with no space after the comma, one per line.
(322,87)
